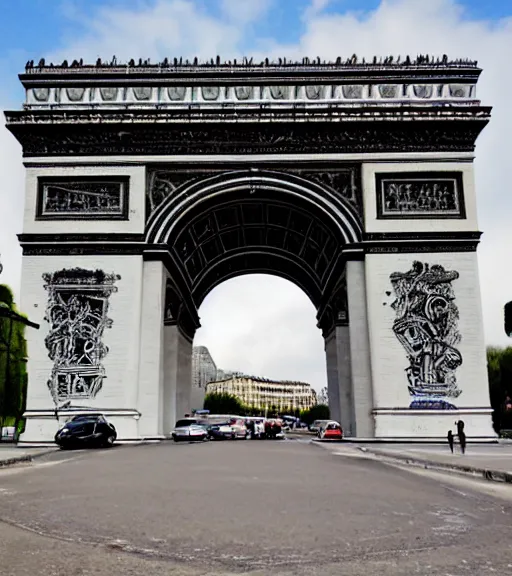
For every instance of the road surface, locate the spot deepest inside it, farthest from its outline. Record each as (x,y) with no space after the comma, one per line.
(226,508)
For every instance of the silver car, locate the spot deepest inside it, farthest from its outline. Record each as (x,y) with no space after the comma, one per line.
(189,430)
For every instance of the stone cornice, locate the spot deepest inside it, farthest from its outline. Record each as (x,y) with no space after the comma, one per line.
(288,113)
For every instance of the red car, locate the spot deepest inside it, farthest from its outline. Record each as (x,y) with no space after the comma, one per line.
(331,431)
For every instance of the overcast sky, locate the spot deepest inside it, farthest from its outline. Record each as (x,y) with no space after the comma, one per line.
(260,324)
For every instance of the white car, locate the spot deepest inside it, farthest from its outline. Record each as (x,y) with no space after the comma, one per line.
(188,430)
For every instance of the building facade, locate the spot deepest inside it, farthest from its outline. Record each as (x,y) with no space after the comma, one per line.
(265,394)
(204,370)
(147,185)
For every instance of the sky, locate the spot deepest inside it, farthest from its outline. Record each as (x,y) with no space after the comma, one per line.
(261,324)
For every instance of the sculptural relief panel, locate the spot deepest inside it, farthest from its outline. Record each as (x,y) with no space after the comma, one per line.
(420,195)
(82,198)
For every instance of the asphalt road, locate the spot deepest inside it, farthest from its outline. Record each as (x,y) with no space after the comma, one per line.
(283,507)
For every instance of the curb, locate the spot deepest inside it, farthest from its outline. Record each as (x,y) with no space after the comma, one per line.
(22,459)
(485,473)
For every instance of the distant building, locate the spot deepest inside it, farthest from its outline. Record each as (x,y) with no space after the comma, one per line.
(263,394)
(204,370)
(226,374)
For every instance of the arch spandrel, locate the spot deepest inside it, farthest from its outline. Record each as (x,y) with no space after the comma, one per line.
(336,192)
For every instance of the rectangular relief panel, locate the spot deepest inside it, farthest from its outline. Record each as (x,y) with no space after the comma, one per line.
(412,195)
(83,198)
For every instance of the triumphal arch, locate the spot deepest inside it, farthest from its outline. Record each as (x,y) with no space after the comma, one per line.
(149,184)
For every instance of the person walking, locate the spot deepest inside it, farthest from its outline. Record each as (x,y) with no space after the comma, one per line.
(462,435)
(450,440)
(462,440)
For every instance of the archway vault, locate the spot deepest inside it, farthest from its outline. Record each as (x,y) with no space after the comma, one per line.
(252,221)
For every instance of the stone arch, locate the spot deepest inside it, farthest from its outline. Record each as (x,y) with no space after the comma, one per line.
(254,220)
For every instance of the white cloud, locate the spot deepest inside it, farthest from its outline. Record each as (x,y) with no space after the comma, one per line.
(245,11)
(165,28)
(315,8)
(282,333)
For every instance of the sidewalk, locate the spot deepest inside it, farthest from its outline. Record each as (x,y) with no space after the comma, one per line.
(490,461)
(10,454)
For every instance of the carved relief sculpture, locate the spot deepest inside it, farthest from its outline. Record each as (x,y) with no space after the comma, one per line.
(388,90)
(108,93)
(41,94)
(314,92)
(420,195)
(75,94)
(77,313)
(426,324)
(460,90)
(280,92)
(176,93)
(210,92)
(142,92)
(243,92)
(352,91)
(423,90)
(65,198)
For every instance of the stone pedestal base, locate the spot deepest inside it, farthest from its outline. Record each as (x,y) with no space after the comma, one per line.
(409,425)
(41,426)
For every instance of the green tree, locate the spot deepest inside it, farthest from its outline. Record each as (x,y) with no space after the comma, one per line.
(318,412)
(223,403)
(499,370)
(13,355)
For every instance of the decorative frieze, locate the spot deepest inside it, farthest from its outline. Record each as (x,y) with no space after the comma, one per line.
(175,95)
(420,195)
(63,198)
(152,135)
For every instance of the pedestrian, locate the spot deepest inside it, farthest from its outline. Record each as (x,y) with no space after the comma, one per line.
(450,440)
(462,440)
(460,427)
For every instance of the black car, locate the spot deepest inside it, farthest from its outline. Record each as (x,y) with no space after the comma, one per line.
(86,430)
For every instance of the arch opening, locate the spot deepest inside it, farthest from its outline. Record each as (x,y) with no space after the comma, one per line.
(261,327)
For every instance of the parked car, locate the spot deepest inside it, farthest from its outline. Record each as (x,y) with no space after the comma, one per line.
(274,429)
(317,425)
(86,430)
(331,431)
(8,434)
(189,430)
(231,429)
